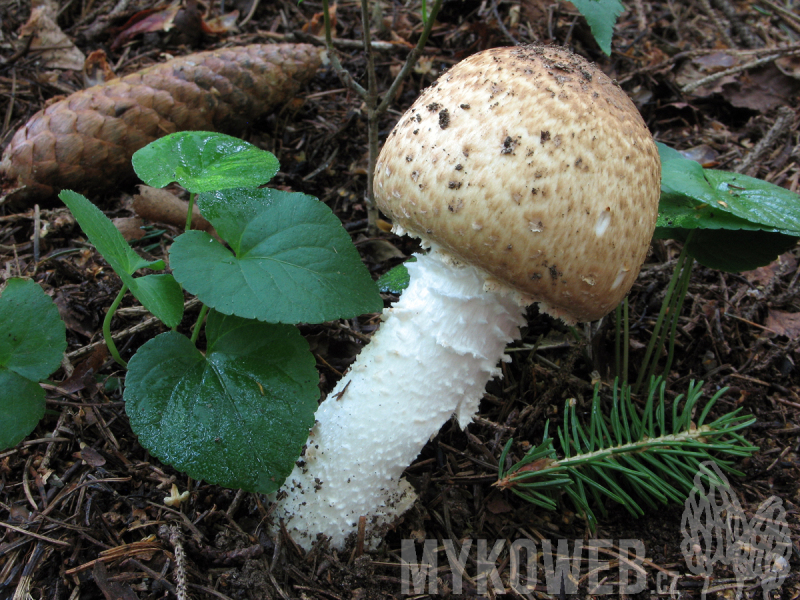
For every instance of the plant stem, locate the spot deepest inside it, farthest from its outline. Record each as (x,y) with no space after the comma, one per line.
(625,341)
(112,347)
(370,95)
(674,440)
(656,342)
(682,290)
(618,341)
(372,118)
(411,60)
(199,323)
(189,214)
(345,77)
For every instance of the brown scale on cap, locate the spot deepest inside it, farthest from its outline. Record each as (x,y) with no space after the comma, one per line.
(545,176)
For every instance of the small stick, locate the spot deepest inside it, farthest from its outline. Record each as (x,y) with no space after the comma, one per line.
(338,396)
(505,31)
(37,225)
(641,17)
(740,27)
(777,131)
(690,87)
(26,484)
(26,580)
(250,14)
(362,527)
(791,19)
(10,107)
(706,5)
(344,44)
(787,48)
(143,326)
(36,535)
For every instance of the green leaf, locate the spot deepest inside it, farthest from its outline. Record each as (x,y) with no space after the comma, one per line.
(740,222)
(32,335)
(203,161)
(292,260)
(236,417)
(756,200)
(732,251)
(676,211)
(395,280)
(160,294)
(666,153)
(32,344)
(22,405)
(694,197)
(601,16)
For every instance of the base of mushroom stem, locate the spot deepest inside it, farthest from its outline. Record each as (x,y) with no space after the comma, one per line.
(430,360)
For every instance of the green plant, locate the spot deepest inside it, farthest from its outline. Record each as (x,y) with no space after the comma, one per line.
(238,413)
(28,354)
(632,455)
(726,221)
(376,106)
(601,15)
(739,222)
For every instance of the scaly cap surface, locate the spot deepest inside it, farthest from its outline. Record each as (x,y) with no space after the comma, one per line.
(530,163)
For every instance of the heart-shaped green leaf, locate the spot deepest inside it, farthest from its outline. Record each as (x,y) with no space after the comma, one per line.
(160,294)
(32,344)
(292,260)
(203,161)
(236,417)
(756,200)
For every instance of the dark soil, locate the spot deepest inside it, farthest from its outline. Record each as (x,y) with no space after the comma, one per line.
(82,504)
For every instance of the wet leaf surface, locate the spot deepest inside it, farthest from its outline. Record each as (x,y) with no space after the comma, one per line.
(236,416)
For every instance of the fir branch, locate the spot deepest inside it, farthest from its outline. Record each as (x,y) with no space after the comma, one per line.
(631,456)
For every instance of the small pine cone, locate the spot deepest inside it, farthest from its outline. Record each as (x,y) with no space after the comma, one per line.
(85,141)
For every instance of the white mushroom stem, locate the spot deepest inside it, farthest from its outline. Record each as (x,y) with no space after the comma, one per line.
(431,359)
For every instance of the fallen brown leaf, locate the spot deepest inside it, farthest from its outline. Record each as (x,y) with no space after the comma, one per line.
(51,45)
(763,275)
(784,323)
(130,227)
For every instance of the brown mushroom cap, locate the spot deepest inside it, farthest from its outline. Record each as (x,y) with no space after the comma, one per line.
(530,163)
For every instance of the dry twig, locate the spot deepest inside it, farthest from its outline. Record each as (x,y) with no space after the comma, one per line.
(690,87)
(776,132)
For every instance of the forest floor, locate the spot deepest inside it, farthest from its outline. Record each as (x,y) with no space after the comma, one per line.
(82,504)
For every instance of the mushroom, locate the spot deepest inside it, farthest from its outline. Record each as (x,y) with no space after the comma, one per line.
(532,178)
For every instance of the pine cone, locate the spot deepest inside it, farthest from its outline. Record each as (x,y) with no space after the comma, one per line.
(85,142)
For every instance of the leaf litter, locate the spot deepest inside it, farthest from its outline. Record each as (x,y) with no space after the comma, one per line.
(88,501)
